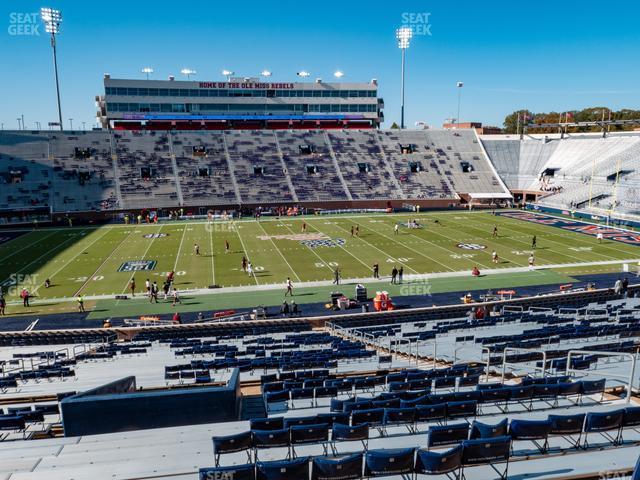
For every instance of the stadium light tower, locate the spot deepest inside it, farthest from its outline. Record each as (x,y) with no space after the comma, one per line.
(303,74)
(188,72)
(403,35)
(52,19)
(228,74)
(147,71)
(459,85)
(338,74)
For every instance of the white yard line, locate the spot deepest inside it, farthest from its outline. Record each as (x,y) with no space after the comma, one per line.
(48,252)
(412,249)
(246,252)
(23,248)
(278,250)
(354,281)
(175,265)
(381,251)
(369,267)
(126,287)
(213,268)
(326,264)
(107,258)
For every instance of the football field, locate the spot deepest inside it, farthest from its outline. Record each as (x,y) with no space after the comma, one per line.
(95,261)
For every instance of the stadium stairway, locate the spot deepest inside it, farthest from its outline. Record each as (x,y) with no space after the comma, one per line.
(332,154)
(252,407)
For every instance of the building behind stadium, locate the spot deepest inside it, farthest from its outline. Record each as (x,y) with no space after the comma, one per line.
(239,103)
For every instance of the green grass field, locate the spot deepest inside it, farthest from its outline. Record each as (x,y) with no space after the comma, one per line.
(86,260)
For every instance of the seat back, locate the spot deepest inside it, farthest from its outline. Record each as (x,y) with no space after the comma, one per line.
(396,461)
(309,434)
(438,463)
(486,450)
(447,434)
(399,415)
(341,432)
(346,468)
(370,416)
(566,424)
(274,423)
(270,438)
(483,430)
(529,429)
(603,421)
(283,470)
(232,443)
(425,413)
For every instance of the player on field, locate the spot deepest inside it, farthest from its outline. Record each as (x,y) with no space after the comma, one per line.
(352,231)
(147,287)
(400,273)
(3,303)
(289,286)
(132,286)
(494,257)
(336,276)
(394,275)
(304,227)
(244,264)
(80,300)
(396,229)
(495,231)
(176,298)
(196,249)
(532,261)
(600,237)
(534,242)
(227,247)
(249,269)
(376,270)
(357,230)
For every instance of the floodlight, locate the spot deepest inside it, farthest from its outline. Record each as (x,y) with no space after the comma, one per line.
(303,74)
(52,19)
(265,73)
(188,72)
(147,71)
(403,35)
(338,74)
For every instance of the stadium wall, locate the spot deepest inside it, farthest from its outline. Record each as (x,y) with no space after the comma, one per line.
(119,407)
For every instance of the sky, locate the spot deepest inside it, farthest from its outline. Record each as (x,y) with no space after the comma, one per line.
(542,56)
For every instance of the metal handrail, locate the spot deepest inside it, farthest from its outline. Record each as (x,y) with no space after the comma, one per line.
(531,350)
(609,374)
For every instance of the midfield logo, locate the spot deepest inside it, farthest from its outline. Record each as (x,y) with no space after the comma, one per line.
(471,246)
(155,235)
(137,265)
(330,242)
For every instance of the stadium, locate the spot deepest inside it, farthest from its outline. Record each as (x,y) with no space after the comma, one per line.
(264,279)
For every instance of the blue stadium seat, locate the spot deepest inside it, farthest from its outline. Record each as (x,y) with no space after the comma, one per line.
(382,463)
(447,434)
(231,444)
(483,430)
(347,433)
(531,430)
(568,426)
(439,463)
(490,451)
(297,469)
(603,423)
(346,468)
